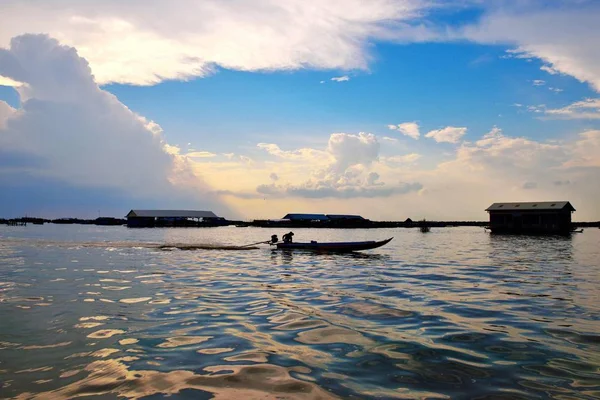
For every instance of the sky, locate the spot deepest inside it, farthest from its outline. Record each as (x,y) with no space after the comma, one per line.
(256,108)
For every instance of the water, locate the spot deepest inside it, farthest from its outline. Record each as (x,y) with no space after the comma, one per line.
(454,313)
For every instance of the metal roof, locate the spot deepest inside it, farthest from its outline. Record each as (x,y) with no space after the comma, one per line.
(304,217)
(171,214)
(341,216)
(531,206)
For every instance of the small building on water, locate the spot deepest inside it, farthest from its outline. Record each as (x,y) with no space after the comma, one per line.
(305,217)
(172,218)
(545,217)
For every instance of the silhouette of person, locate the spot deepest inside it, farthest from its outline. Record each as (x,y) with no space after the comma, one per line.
(287,238)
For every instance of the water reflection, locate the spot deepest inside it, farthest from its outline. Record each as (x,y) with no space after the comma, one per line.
(287,256)
(454,313)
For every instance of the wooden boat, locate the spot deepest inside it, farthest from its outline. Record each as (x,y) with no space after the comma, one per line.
(339,247)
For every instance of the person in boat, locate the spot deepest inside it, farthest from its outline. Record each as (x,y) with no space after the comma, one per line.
(287,238)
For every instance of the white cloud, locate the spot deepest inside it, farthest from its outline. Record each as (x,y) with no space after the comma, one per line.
(549,69)
(299,154)
(83,136)
(140,43)
(389,139)
(585,109)
(344,78)
(410,129)
(529,185)
(349,150)
(565,38)
(539,82)
(449,134)
(506,154)
(556,90)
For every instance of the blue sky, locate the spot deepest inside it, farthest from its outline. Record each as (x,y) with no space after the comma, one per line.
(250,117)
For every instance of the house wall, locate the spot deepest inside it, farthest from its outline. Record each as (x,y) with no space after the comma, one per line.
(531,221)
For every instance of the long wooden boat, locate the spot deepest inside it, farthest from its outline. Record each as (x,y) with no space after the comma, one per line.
(339,247)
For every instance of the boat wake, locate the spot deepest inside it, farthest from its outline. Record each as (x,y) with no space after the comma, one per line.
(127,245)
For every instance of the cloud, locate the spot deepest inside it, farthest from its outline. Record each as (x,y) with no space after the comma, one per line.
(529,185)
(200,154)
(372,179)
(495,167)
(347,175)
(556,90)
(274,177)
(469,177)
(83,136)
(140,43)
(344,78)
(510,154)
(586,151)
(564,38)
(325,191)
(348,150)
(299,154)
(404,159)
(585,109)
(6,111)
(539,82)
(549,69)
(449,134)
(389,139)
(345,169)
(410,129)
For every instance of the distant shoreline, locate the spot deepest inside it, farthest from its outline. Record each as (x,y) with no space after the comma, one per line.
(110,221)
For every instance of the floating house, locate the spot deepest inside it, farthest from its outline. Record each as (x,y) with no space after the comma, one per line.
(305,217)
(322,217)
(547,217)
(171,218)
(340,217)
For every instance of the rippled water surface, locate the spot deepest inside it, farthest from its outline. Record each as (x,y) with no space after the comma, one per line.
(454,313)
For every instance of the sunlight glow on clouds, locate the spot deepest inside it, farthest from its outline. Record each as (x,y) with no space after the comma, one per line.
(138,43)
(449,134)
(410,129)
(493,167)
(70,130)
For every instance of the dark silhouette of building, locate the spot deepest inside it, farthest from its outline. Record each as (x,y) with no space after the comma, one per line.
(546,217)
(306,217)
(341,217)
(172,218)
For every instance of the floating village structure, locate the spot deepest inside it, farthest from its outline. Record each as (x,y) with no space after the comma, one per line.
(171,218)
(547,217)
(315,221)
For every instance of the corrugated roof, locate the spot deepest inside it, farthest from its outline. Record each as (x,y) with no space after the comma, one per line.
(341,216)
(172,214)
(531,206)
(304,217)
